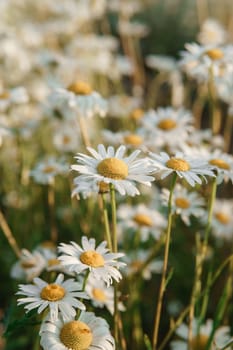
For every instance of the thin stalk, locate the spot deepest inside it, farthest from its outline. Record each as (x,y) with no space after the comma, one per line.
(210,214)
(106,222)
(214,116)
(9,235)
(83,289)
(165,265)
(114,249)
(83,130)
(51,203)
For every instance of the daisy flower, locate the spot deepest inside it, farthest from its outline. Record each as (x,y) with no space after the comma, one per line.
(80,97)
(131,140)
(98,260)
(186,167)
(29,265)
(212,33)
(88,332)
(58,296)
(46,170)
(122,105)
(199,340)
(162,126)
(141,218)
(101,295)
(222,221)
(13,96)
(184,203)
(223,165)
(136,260)
(111,167)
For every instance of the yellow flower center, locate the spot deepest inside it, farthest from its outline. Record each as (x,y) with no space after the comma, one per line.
(182,202)
(136,114)
(133,139)
(178,164)
(28,264)
(49,169)
(52,292)
(220,163)
(136,264)
(4,95)
(53,262)
(80,88)
(66,139)
(103,187)
(98,294)
(143,220)
(222,218)
(76,335)
(113,168)
(199,342)
(214,54)
(92,258)
(167,124)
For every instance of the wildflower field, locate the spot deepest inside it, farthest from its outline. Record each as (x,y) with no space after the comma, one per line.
(116,192)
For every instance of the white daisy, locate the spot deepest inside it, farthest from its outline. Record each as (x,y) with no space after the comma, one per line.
(46,170)
(101,295)
(136,260)
(161,127)
(111,167)
(212,33)
(222,221)
(88,332)
(223,165)
(98,260)
(122,105)
(80,97)
(140,218)
(58,296)
(184,203)
(29,266)
(129,139)
(199,341)
(13,96)
(186,167)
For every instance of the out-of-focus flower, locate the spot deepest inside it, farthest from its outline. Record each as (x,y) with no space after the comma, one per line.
(184,203)
(12,97)
(122,105)
(101,264)
(212,33)
(148,222)
(88,332)
(222,221)
(45,171)
(60,296)
(161,63)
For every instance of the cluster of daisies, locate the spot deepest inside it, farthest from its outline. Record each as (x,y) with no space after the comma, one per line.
(62,97)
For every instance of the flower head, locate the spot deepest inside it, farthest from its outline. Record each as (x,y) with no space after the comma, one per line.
(189,168)
(88,332)
(57,296)
(98,260)
(111,167)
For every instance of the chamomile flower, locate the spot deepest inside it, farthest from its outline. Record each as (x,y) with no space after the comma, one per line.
(45,171)
(212,33)
(129,139)
(57,296)
(148,222)
(101,295)
(184,203)
(29,266)
(223,165)
(111,167)
(13,96)
(161,127)
(186,167)
(101,264)
(222,221)
(199,340)
(88,332)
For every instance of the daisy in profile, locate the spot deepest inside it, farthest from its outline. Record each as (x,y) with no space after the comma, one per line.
(81,98)
(57,296)
(185,203)
(223,165)
(131,140)
(101,264)
(112,167)
(87,333)
(212,33)
(100,295)
(186,167)
(199,340)
(140,218)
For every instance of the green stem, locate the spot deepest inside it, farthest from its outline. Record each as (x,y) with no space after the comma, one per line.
(214,118)
(106,222)
(210,213)
(83,289)
(165,265)
(114,249)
